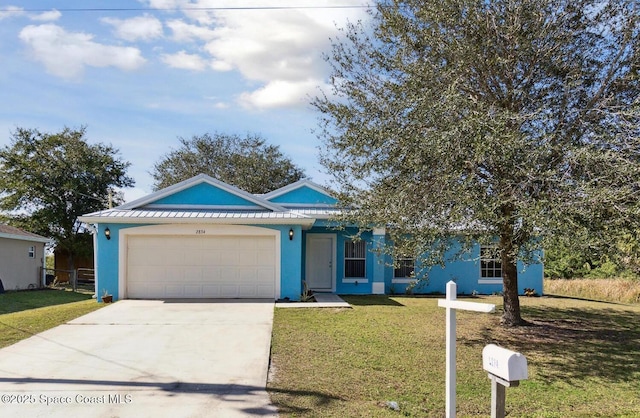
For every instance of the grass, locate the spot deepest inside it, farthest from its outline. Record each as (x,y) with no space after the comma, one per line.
(612,290)
(26,313)
(583,356)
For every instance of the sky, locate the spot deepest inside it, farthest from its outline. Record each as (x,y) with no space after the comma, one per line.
(139,74)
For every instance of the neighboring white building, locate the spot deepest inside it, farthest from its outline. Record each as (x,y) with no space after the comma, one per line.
(21,258)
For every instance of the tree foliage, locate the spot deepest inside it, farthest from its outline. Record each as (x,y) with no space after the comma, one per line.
(248,163)
(47,180)
(513,120)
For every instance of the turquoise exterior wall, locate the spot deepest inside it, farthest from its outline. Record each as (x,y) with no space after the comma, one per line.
(107,258)
(290,259)
(465,271)
(378,270)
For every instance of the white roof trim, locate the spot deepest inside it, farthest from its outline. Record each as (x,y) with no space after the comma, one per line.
(137,216)
(203,207)
(25,238)
(297,185)
(202,178)
(294,206)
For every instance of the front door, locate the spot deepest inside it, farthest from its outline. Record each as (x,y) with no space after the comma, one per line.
(320,271)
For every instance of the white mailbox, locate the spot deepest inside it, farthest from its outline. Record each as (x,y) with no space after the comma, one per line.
(504,364)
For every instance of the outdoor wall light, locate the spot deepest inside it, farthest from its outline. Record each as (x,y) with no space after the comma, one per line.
(107,233)
(291,234)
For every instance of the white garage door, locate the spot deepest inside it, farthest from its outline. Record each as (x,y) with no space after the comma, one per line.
(201,267)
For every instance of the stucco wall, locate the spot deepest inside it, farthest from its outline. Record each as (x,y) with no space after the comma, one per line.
(109,269)
(17,270)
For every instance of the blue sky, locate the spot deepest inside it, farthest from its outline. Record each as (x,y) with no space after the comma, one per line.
(139,79)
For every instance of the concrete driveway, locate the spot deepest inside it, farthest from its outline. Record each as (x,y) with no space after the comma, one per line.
(144,358)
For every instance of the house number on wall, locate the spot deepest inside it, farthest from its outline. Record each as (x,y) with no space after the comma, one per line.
(200,231)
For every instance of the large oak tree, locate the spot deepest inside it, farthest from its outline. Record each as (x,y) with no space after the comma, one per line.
(47,180)
(249,162)
(504,121)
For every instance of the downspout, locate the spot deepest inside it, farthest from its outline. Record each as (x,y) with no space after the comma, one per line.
(43,268)
(94,234)
(43,265)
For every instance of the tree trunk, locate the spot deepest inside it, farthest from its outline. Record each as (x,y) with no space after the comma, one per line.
(511,315)
(509,258)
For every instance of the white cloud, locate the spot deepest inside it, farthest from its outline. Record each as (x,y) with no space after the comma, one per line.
(143,28)
(49,16)
(11,11)
(65,54)
(278,50)
(280,93)
(15,11)
(183,31)
(165,4)
(184,61)
(281,49)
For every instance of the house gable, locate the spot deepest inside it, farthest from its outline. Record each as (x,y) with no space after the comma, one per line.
(206,195)
(203,192)
(303,193)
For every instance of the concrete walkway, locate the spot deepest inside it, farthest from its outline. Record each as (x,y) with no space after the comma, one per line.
(145,358)
(322,300)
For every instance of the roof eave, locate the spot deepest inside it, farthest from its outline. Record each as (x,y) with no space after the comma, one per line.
(305,222)
(26,238)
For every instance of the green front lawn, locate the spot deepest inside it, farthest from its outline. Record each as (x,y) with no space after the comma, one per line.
(584,359)
(23,314)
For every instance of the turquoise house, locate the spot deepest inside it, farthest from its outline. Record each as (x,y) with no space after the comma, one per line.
(203,238)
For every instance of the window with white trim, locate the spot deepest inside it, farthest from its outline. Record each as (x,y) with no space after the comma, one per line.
(32,251)
(490,263)
(354,259)
(404,269)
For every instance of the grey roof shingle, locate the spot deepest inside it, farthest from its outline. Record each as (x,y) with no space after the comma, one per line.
(8,231)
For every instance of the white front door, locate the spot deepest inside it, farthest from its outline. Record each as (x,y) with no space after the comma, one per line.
(321,262)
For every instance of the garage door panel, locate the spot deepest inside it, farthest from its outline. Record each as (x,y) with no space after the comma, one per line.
(229,291)
(192,291)
(263,257)
(174,291)
(229,257)
(265,291)
(211,291)
(204,257)
(193,274)
(247,291)
(192,267)
(151,290)
(173,273)
(247,274)
(174,258)
(268,274)
(211,275)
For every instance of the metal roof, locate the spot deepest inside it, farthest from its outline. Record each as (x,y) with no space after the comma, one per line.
(317,212)
(187,216)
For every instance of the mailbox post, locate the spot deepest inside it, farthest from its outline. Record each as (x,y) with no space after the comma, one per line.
(506,369)
(451,304)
